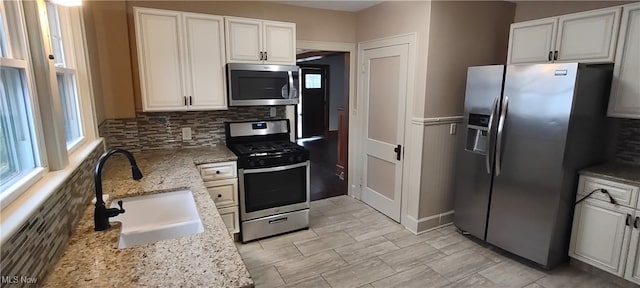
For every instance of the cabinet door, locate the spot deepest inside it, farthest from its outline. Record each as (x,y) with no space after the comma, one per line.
(588,36)
(632,272)
(159,59)
(279,42)
(625,90)
(244,40)
(205,60)
(600,235)
(532,41)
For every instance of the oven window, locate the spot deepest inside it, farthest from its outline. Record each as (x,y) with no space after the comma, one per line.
(274,189)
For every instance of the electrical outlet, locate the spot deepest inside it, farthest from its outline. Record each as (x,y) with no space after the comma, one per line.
(186,133)
(272,112)
(453,128)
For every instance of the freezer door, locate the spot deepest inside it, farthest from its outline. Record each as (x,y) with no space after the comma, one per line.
(528,186)
(474,162)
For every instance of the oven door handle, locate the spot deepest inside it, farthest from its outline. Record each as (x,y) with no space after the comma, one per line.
(274,169)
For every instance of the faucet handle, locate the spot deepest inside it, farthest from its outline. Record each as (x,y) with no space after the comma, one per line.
(120,204)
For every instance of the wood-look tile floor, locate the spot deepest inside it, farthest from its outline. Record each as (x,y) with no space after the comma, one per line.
(350,244)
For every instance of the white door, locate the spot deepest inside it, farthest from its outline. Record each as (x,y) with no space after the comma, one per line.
(204,36)
(279,43)
(244,40)
(589,36)
(532,41)
(158,38)
(624,100)
(600,235)
(385,90)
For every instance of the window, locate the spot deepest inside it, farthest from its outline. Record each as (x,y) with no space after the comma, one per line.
(60,35)
(313,81)
(20,160)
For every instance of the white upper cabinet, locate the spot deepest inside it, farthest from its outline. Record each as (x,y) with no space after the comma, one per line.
(588,37)
(181,60)
(532,41)
(625,88)
(260,41)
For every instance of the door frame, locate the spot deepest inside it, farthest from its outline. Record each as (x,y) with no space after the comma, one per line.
(327,96)
(412,147)
(353,188)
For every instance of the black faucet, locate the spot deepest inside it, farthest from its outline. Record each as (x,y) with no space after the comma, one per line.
(102,214)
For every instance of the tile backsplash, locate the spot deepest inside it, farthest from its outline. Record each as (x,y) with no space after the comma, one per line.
(628,142)
(40,241)
(158,130)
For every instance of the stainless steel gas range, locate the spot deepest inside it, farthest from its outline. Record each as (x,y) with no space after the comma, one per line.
(274,178)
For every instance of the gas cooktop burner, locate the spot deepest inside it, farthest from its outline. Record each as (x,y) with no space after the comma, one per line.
(266,148)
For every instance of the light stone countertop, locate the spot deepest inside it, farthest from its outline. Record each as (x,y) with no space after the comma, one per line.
(208,259)
(618,172)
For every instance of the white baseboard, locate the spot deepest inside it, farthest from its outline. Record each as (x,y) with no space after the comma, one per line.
(425,224)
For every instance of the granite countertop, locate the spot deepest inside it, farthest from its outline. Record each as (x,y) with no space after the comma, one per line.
(208,259)
(618,172)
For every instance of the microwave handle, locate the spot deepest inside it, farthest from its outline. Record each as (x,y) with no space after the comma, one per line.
(291,87)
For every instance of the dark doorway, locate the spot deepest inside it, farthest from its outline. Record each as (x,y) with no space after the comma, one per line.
(313,107)
(327,140)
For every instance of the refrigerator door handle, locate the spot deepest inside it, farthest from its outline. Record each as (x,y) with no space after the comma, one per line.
(503,115)
(488,154)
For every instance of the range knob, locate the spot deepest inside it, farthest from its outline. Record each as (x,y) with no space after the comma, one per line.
(252,163)
(290,159)
(299,157)
(261,162)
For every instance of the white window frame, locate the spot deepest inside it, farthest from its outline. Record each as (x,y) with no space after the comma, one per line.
(18,56)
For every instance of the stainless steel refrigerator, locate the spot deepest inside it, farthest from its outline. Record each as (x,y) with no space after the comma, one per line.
(527,130)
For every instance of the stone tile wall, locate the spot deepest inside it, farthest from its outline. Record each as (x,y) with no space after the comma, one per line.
(41,240)
(628,144)
(158,130)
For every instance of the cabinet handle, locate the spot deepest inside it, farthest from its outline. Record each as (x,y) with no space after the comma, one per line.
(185,100)
(628,221)
(190,101)
(266,56)
(555,55)
(261,56)
(550,55)
(635,223)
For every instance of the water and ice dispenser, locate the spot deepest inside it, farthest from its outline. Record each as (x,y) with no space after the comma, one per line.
(477,133)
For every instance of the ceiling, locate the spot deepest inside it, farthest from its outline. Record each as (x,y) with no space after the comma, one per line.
(350,6)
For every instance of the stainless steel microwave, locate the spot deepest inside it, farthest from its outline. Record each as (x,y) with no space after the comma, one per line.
(257,85)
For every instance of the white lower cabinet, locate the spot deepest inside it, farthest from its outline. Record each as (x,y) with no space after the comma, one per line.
(222,184)
(606,235)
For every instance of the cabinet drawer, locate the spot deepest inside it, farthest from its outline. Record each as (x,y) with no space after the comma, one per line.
(217,171)
(223,192)
(625,195)
(231,219)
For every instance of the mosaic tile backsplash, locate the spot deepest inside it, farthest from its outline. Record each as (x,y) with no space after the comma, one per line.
(41,240)
(159,130)
(628,145)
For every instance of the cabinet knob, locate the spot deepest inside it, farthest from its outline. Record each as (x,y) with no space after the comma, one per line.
(219,195)
(217,171)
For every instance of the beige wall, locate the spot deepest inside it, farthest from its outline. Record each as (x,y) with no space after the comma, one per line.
(529,10)
(395,18)
(463,34)
(108,45)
